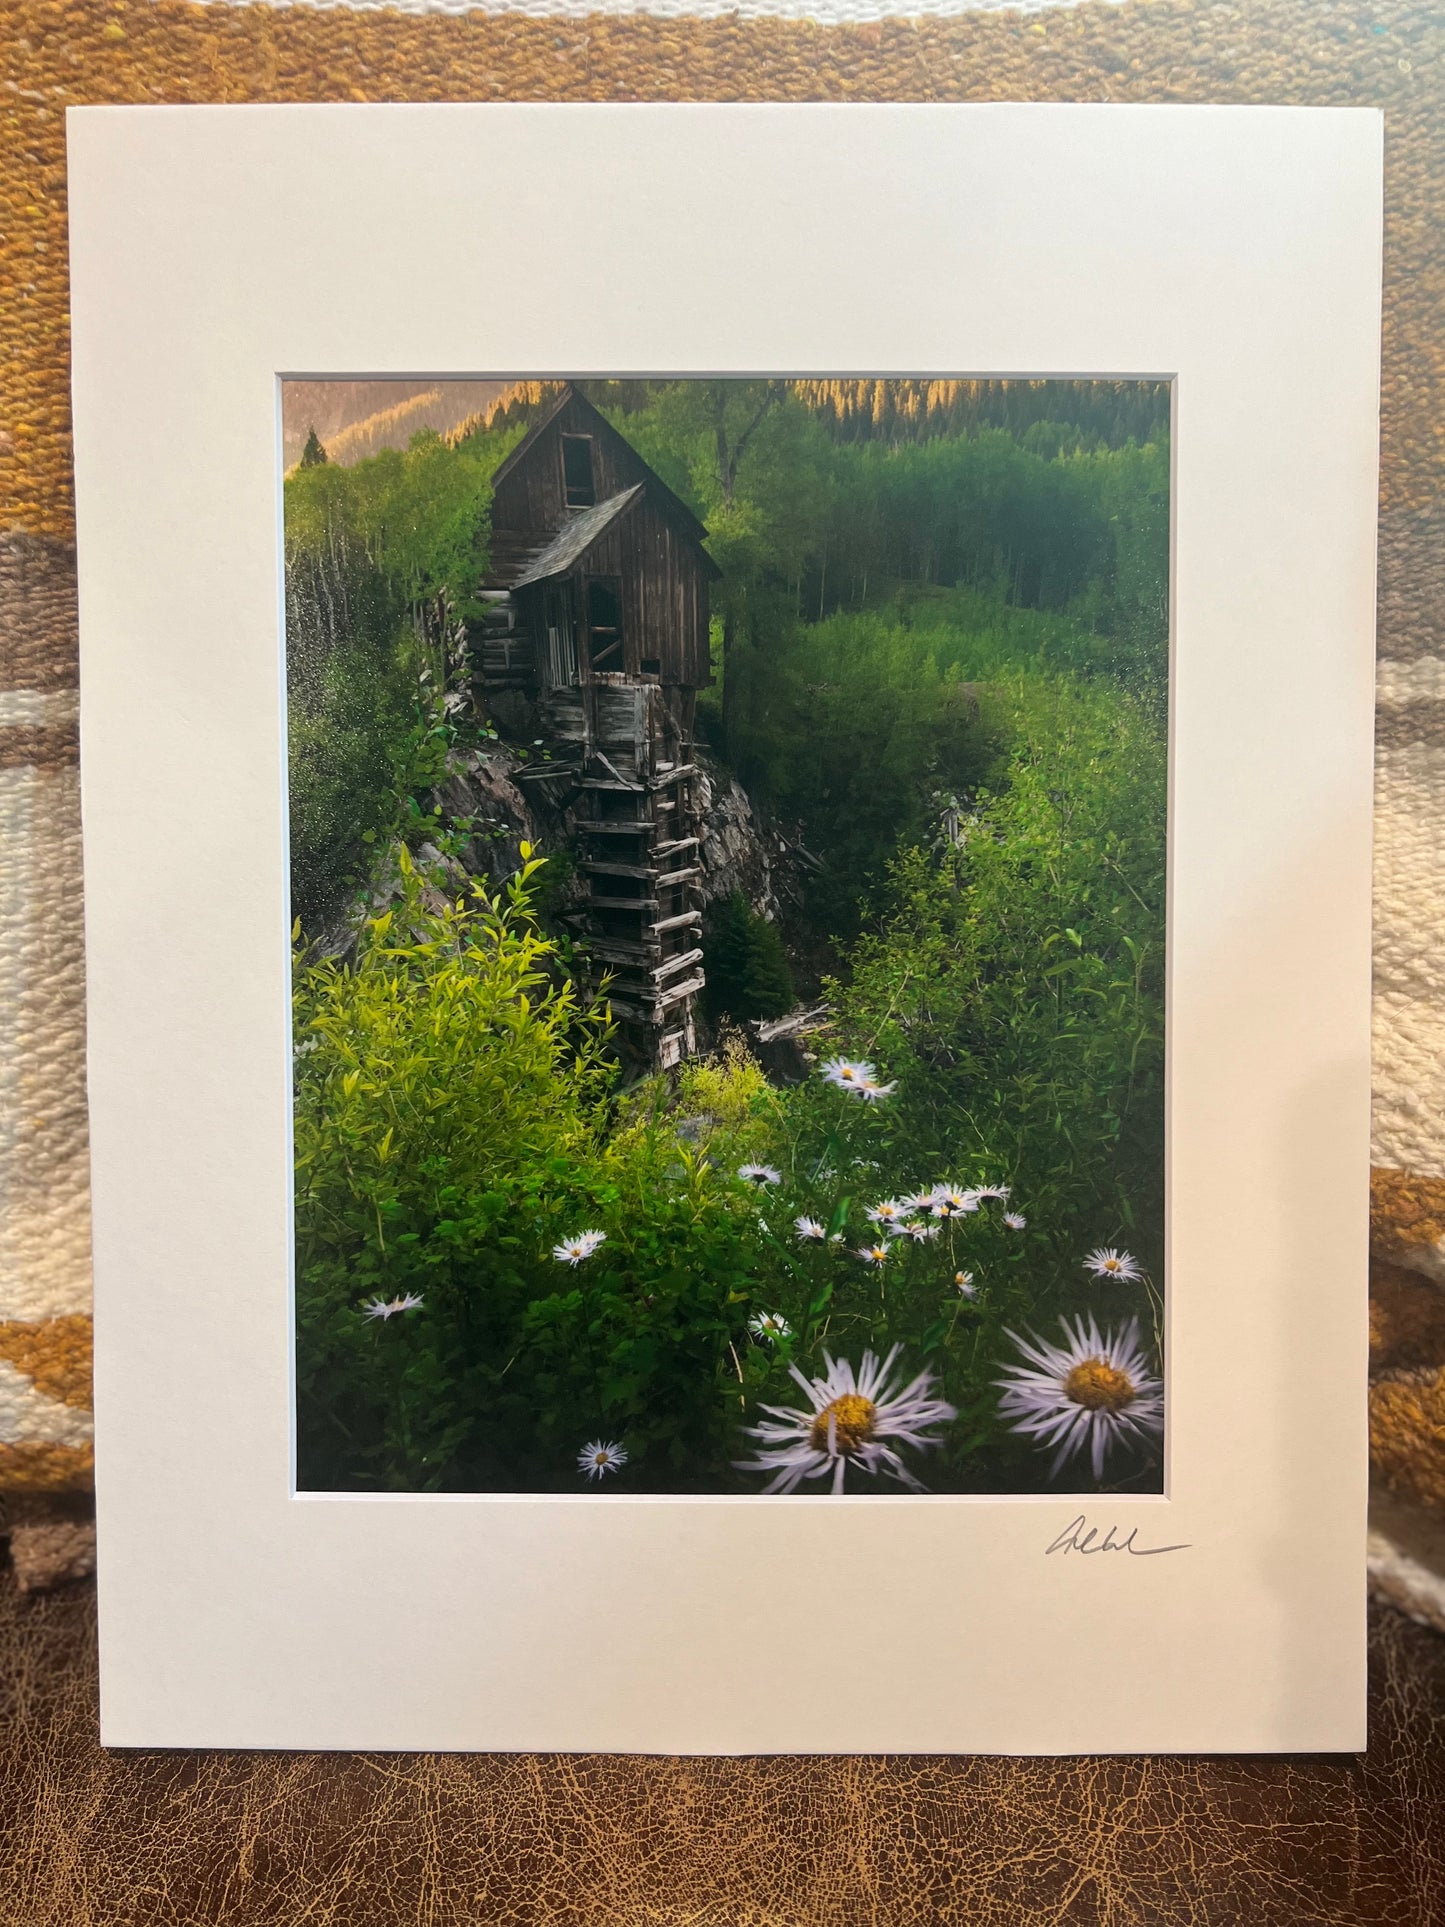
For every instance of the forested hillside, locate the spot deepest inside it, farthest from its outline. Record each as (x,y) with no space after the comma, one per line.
(940,657)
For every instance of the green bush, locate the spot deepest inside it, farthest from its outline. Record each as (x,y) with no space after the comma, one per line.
(1015,986)
(455,1120)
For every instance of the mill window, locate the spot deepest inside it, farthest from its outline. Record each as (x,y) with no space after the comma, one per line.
(579,490)
(604,622)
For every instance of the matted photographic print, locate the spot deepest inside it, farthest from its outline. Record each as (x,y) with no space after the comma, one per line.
(633,1095)
(728,851)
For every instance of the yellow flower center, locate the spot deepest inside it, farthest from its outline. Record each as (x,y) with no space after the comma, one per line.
(1099,1386)
(854,1418)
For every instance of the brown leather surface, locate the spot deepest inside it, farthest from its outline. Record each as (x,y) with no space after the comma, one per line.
(445,1840)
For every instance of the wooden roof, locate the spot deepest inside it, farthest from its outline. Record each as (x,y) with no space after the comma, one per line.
(576,537)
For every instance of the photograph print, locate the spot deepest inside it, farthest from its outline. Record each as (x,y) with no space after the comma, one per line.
(727,861)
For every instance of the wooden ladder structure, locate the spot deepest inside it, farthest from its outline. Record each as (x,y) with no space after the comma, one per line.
(640,859)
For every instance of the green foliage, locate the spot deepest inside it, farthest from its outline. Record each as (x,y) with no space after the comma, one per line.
(1015,987)
(941,632)
(455,1120)
(382,558)
(746,965)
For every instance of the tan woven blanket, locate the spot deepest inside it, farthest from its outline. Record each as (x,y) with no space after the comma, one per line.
(1389,54)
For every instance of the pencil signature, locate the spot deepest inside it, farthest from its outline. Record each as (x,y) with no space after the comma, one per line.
(1079,1536)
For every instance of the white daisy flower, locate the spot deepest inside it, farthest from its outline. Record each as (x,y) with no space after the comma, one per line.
(1015,1220)
(948,1201)
(891,1212)
(599,1458)
(871,1091)
(872,1254)
(848,1419)
(759,1174)
(1085,1396)
(385,1308)
(919,1229)
(986,1192)
(810,1231)
(964,1281)
(922,1200)
(770,1325)
(574,1251)
(847,1073)
(1114,1264)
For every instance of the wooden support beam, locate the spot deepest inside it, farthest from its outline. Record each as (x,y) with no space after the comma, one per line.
(614,950)
(674,964)
(623,903)
(599,866)
(674,877)
(679,991)
(674,923)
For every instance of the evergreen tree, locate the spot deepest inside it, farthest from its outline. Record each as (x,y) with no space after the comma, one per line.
(313,455)
(767,981)
(747,967)
(726,956)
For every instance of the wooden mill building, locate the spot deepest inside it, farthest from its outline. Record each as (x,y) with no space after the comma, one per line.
(598,615)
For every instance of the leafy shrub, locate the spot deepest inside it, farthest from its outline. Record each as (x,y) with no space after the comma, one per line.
(455,1120)
(1015,986)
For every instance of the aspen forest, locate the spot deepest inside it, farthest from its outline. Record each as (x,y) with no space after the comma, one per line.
(729,1044)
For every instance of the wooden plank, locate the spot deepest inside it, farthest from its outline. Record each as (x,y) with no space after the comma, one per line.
(674,877)
(681,991)
(624,903)
(674,923)
(612,950)
(600,867)
(674,964)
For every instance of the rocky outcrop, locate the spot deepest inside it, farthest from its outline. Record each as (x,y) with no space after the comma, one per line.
(741,854)
(482,802)
(494,800)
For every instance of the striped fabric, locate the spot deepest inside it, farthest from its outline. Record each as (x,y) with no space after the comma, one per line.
(1387,53)
(45,1428)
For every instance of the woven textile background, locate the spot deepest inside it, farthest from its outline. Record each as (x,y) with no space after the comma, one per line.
(247,1841)
(1390,54)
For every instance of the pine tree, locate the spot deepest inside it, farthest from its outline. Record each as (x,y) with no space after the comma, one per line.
(747,967)
(767,981)
(313,455)
(726,960)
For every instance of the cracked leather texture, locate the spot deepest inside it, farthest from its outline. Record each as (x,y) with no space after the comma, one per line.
(204,1839)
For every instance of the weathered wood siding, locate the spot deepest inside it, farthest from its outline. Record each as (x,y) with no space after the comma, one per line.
(529,495)
(664,594)
(663,571)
